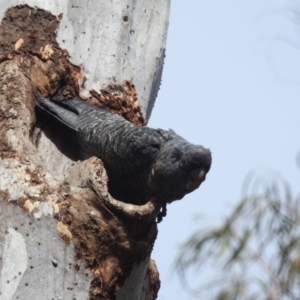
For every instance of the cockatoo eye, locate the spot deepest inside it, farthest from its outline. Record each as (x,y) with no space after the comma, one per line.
(183,162)
(197,176)
(176,155)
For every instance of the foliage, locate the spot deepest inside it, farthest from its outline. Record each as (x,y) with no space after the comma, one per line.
(256,250)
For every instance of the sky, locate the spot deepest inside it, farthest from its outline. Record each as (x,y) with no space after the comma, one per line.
(231,82)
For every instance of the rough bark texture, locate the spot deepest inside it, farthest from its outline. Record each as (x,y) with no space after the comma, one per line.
(113,42)
(63,236)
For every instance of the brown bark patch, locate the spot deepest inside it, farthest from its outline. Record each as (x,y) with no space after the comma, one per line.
(154,279)
(121,100)
(104,243)
(30,34)
(27,29)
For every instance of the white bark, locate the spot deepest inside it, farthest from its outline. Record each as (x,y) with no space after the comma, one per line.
(36,262)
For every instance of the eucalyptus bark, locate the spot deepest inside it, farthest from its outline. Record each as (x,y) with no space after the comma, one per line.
(62,235)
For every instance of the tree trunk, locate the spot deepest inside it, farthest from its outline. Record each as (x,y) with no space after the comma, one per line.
(62,235)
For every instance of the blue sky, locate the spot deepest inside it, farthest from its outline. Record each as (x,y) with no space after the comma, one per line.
(231,83)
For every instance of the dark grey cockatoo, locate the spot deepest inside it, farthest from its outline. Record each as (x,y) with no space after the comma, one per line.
(141,162)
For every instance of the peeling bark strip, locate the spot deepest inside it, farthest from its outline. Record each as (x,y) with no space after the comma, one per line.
(73,242)
(120,100)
